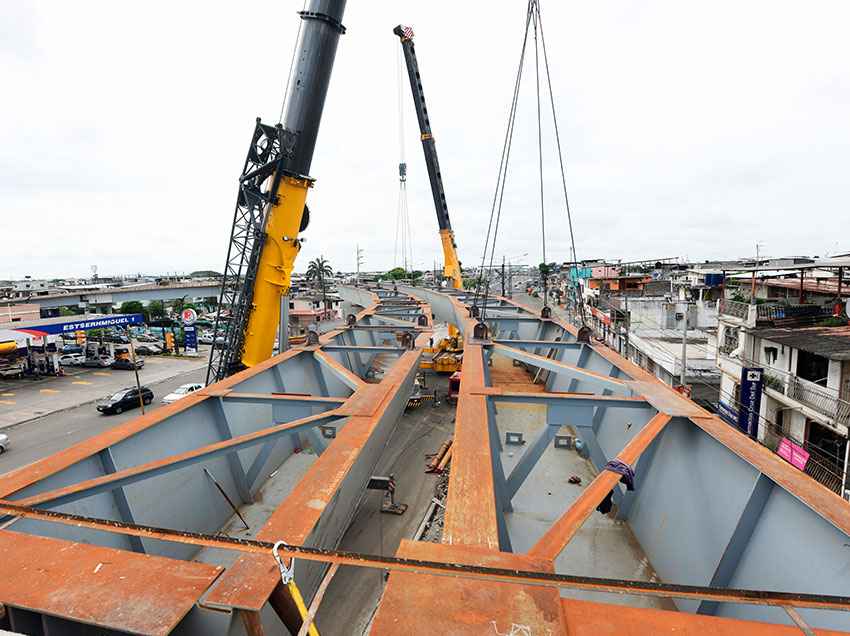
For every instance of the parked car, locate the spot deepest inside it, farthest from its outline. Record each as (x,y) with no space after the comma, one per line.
(124,399)
(148,349)
(206,338)
(14,370)
(72,348)
(4,443)
(182,391)
(99,362)
(72,359)
(117,338)
(147,337)
(127,364)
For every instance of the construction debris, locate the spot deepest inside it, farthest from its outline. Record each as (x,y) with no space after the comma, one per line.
(436,463)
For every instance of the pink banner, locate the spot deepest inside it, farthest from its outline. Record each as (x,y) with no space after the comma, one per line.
(794,454)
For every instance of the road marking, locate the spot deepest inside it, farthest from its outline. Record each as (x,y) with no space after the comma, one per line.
(7,402)
(101,373)
(50,391)
(7,394)
(80,382)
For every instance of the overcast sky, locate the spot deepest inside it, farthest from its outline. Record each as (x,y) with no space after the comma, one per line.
(690,129)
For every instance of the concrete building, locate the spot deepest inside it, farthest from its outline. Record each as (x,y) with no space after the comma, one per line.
(806,397)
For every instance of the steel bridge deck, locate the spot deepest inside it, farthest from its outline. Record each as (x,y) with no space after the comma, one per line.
(711,508)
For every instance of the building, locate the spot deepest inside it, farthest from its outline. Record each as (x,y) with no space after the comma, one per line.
(806,391)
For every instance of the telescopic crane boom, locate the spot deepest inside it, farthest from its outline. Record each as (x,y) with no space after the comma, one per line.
(271,206)
(451,268)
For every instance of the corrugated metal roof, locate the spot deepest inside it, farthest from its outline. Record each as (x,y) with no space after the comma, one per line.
(829,342)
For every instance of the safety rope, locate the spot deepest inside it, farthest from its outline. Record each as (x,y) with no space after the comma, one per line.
(287,578)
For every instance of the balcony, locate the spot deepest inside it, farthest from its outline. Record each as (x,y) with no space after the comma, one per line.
(819,398)
(734,308)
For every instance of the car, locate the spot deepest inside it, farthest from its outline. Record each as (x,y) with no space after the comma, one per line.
(182,391)
(127,364)
(72,359)
(148,349)
(206,339)
(13,370)
(124,399)
(4,443)
(72,348)
(99,362)
(146,337)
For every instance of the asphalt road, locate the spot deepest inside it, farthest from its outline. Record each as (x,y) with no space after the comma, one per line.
(45,435)
(28,399)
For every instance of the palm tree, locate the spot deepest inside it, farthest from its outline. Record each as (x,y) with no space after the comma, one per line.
(318,270)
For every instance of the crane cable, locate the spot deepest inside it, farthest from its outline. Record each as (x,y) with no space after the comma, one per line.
(291,65)
(563,169)
(496,207)
(535,21)
(402,227)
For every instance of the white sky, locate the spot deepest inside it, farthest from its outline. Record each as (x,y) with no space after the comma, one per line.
(690,130)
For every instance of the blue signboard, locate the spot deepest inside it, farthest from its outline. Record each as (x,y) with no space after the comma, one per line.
(83,324)
(752,384)
(190,339)
(727,413)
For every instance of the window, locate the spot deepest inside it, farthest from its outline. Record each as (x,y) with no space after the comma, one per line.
(812,367)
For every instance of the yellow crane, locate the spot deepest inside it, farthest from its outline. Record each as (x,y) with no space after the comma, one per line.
(447,355)
(271,207)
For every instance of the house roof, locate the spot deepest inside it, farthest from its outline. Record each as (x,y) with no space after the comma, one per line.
(829,342)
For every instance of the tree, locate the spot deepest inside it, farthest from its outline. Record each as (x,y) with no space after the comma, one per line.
(319,270)
(134,307)
(156,309)
(396,273)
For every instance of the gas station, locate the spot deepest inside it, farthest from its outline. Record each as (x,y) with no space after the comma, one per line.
(34,347)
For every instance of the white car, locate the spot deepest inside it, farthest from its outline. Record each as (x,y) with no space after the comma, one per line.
(182,391)
(72,359)
(4,443)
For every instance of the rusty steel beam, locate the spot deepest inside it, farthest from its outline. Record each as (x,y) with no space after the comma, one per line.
(556,366)
(475,572)
(551,544)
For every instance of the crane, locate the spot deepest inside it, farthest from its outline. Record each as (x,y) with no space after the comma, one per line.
(451,263)
(271,207)
(447,355)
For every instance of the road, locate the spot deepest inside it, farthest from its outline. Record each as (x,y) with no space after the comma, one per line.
(45,435)
(27,399)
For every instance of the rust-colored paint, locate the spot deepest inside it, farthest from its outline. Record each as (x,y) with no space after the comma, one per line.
(551,544)
(426,604)
(586,618)
(100,586)
(471,504)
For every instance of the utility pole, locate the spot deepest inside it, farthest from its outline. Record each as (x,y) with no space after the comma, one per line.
(753,282)
(359,261)
(684,347)
(283,325)
(503,275)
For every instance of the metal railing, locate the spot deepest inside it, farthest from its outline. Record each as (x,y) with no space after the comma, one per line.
(734,308)
(824,472)
(818,398)
(781,312)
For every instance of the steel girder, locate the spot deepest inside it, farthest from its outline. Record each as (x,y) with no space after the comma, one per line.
(316,417)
